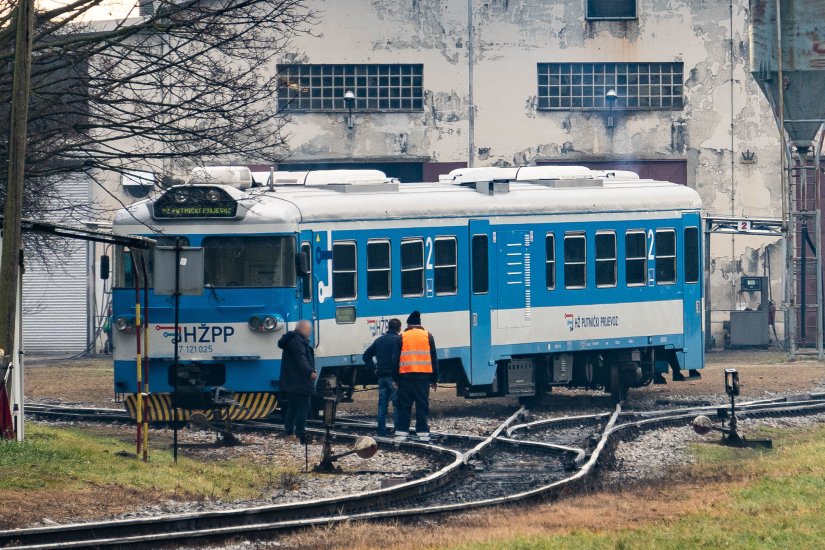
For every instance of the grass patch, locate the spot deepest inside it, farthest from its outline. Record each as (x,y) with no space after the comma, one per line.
(770,499)
(61,459)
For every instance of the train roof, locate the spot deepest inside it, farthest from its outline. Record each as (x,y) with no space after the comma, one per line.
(466,193)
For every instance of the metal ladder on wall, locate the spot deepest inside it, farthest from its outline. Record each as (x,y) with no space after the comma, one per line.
(804,318)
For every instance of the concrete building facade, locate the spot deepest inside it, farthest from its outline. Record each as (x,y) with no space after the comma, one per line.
(440,84)
(493,94)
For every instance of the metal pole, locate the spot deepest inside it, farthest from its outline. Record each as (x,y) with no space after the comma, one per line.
(787,217)
(18,128)
(175,362)
(708,335)
(138,357)
(19,372)
(803,282)
(471,119)
(820,353)
(145,355)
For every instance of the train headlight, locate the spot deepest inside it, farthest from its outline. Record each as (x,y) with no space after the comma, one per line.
(270,323)
(212,195)
(181,197)
(125,324)
(255,323)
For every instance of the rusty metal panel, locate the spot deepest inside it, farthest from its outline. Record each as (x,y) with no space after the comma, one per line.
(803,60)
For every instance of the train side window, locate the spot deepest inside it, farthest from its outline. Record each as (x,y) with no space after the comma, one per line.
(550,260)
(412,267)
(344,271)
(481,268)
(379,272)
(575,261)
(665,256)
(446,266)
(635,259)
(605,259)
(691,254)
(306,280)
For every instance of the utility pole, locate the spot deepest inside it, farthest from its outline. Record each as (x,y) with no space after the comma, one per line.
(12,235)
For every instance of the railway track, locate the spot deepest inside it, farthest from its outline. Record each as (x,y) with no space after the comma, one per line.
(518,462)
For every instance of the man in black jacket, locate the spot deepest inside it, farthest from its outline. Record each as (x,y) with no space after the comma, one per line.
(379,359)
(298,377)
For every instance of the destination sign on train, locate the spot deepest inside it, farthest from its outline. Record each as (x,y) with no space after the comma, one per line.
(195,211)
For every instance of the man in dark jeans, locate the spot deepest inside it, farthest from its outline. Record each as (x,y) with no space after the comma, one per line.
(416,369)
(378,358)
(298,378)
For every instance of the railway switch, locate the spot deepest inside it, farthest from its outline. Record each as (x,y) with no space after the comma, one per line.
(703,425)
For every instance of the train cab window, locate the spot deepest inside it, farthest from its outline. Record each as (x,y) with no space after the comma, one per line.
(665,256)
(379,273)
(344,271)
(446,266)
(575,261)
(481,268)
(550,260)
(635,258)
(257,262)
(412,267)
(605,259)
(124,276)
(306,280)
(691,254)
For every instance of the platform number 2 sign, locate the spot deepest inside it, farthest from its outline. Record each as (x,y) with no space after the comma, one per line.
(744,225)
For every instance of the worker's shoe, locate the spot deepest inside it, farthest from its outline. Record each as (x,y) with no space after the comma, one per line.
(304,439)
(401,436)
(424,437)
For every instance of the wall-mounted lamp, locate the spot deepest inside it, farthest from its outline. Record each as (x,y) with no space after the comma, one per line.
(349,101)
(610,98)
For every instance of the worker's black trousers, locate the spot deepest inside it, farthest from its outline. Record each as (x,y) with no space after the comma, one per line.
(415,391)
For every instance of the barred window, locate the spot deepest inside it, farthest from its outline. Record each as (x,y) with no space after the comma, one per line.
(307,87)
(639,86)
(611,9)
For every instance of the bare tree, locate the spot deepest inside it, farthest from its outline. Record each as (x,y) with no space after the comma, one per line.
(192,82)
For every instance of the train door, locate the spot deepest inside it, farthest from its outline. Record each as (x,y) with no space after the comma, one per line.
(692,289)
(482,366)
(308,294)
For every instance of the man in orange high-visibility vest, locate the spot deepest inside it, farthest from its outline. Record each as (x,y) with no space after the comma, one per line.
(416,371)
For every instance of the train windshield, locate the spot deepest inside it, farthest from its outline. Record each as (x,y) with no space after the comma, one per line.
(249,261)
(124,276)
(229,262)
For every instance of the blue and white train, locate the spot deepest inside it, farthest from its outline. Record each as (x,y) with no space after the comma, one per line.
(528,278)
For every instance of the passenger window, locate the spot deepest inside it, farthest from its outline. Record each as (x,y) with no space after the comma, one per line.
(412,267)
(481,275)
(446,266)
(379,273)
(692,255)
(635,261)
(575,261)
(306,280)
(605,259)
(665,256)
(550,260)
(344,271)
